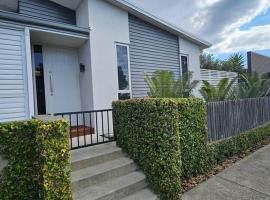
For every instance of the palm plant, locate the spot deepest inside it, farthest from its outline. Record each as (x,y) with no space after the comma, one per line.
(252,86)
(184,86)
(235,63)
(223,91)
(162,84)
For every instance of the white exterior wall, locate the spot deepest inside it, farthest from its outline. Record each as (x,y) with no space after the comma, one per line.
(86,87)
(82,14)
(193,51)
(86,78)
(109,25)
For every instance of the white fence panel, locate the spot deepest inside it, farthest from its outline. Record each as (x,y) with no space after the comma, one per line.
(214,76)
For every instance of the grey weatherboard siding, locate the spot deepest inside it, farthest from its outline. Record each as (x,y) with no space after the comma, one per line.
(47,10)
(13,88)
(151,49)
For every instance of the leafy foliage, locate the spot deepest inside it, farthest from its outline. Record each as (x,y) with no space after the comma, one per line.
(220,151)
(38,160)
(223,91)
(148,130)
(168,139)
(185,86)
(164,85)
(235,63)
(252,86)
(193,135)
(20,178)
(249,86)
(208,61)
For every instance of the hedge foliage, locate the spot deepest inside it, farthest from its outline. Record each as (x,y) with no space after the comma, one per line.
(148,130)
(38,160)
(221,150)
(168,138)
(194,137)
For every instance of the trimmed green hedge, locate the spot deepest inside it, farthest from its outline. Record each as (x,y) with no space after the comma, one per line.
(168,139)
(194,137)
(148,130)
(221,150)
(38,160)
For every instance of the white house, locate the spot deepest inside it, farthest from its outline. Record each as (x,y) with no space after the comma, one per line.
(79,55)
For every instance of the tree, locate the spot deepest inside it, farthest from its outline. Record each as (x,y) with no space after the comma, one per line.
(223,91)
(162,84)
(252,86)
(235,63)
(209,62)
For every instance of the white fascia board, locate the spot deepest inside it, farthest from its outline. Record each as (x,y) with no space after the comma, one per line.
(132,9)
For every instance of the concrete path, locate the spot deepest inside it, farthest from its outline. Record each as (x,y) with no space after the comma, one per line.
(248,179)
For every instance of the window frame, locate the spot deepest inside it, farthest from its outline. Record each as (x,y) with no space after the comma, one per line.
(187,56)
(129,72)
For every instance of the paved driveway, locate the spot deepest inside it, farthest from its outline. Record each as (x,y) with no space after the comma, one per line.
(248,179)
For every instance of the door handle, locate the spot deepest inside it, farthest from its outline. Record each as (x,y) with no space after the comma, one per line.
(51,83)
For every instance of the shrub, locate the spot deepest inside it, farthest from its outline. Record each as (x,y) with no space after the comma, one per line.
(38,160)
(162,84)
(221,150)
(168,139)
(148,130)
(194,137)
(20,178)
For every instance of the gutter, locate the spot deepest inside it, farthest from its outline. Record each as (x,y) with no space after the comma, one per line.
(23,19)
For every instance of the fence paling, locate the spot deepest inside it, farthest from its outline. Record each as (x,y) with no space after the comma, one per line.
(230,118)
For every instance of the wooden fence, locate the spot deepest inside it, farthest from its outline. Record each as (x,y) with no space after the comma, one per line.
(230,118)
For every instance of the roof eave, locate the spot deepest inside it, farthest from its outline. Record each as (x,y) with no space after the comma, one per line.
(132,9)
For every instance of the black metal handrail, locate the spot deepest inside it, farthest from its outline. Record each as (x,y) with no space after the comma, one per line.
(88,128)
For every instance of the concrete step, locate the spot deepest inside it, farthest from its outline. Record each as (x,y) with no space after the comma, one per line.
(99,173)
(113,189)
(145,194)
(91,156)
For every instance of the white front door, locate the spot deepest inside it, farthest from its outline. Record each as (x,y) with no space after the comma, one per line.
(61,77)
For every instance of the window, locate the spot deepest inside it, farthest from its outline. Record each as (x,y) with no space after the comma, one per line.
(184,63)
(124,89)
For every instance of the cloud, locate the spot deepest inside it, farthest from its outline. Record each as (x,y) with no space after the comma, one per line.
(217,21)
(255,38)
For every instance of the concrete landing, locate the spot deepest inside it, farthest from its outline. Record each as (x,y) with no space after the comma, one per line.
(249,179)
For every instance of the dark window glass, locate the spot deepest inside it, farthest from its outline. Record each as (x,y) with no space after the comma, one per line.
(123,70)
(184,64)
(123,96)
(39,75)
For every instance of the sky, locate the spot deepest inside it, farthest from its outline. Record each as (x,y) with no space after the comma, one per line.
(230,25)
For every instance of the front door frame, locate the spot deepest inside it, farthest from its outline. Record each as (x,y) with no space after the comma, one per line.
(34,78)
(47,108)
